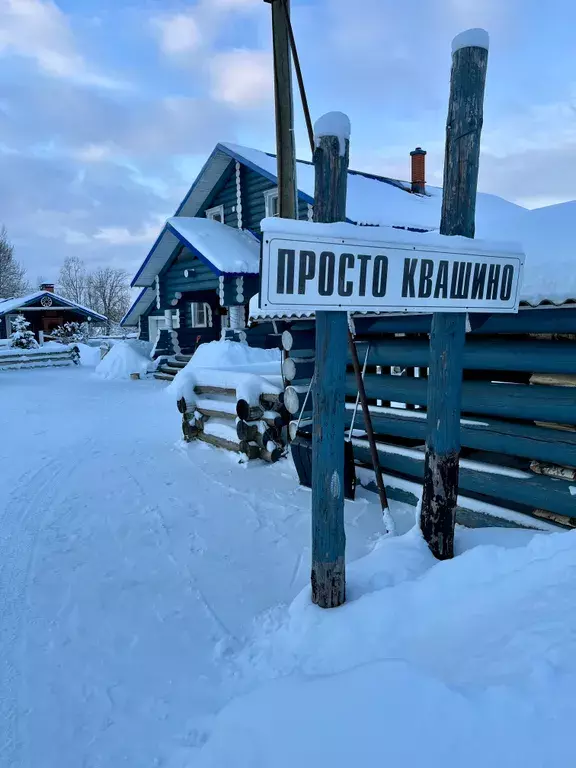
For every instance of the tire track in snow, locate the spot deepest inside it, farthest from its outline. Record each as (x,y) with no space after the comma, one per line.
(185,568)
(25,515)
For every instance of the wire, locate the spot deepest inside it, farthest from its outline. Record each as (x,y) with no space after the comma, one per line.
(299,77)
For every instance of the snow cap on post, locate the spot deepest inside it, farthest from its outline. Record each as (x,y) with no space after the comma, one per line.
(471,38)
(333,124)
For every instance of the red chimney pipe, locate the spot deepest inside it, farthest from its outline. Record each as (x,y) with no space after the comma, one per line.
(47,287)
(418,156)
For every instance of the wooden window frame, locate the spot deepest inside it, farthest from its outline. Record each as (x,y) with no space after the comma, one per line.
(271,196)
(207,314)
(212,213)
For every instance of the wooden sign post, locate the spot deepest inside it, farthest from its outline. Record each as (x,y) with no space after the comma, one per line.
(328,577)
(463,128)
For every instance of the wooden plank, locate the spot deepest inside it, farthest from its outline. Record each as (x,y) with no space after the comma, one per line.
(546,357)
(209,390)
(461,161)
(539,320)
(480,354)
(219,442)
(506,401)
(510,438)
(528,489)
(328,537)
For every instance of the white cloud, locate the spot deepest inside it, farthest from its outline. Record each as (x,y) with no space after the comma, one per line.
(123,236)
(94,153)
(242,78)
(237,5)
(37,29)
(177,34)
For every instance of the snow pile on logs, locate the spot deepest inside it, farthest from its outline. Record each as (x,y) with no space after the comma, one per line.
(121,362)
(230,395)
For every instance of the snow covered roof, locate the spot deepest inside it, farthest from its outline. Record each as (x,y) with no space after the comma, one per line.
(379,200)
(10,305)
(139,306)
(226,250)
(545,233)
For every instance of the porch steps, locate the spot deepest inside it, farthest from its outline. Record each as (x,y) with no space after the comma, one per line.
(170,367)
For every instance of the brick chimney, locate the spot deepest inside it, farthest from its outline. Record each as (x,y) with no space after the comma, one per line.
(418,156)
(47,287)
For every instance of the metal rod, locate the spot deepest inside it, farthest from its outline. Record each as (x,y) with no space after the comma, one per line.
(358,395)
(370,434)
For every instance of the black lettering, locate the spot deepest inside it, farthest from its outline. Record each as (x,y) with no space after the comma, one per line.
(326,273)
(408,287)
(380,276)
(307,269)
(425,282)
(507,280)
(441,287)
(478,281)
(460,284)
(363,258)
(285,273)
(345,287)
(492,284)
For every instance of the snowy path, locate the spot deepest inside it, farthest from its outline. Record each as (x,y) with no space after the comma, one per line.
(130,567)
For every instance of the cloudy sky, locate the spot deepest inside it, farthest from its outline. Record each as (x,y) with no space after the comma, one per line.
(108,108)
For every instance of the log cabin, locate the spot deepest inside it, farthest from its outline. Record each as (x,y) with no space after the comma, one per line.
(45,311)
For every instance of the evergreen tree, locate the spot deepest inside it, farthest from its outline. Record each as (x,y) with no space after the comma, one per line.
(21,336)
(72,333)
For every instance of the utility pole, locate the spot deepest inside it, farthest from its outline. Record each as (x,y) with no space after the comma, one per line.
(284,110)
(463,128)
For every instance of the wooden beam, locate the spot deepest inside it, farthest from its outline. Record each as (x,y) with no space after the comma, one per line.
(507,401)
(526,355)
(510,438)
(328,537)
(463,128)
(499,484)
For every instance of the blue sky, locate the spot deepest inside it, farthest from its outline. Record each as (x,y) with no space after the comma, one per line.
(108,108)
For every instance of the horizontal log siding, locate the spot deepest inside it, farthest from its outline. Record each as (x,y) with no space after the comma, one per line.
(515,401)
(253,205)
(532,491)
(540,320)
(510,438)
(173,279)
(530,355)
(226,196)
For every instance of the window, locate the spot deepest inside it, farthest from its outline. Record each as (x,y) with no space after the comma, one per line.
(201,315)
(157,323)
(216,214)
(271,202)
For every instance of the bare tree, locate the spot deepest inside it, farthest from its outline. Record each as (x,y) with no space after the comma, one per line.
(73,280)
(109,292)
(13,280)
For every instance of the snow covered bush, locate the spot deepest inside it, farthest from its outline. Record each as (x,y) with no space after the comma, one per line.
(71,333)
(21,337)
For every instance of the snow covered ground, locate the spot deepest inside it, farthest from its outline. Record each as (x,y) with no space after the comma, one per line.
(131,566)
(154,609)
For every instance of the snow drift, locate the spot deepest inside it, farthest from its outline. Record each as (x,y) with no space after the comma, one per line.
(464,662)
(231,364)
(121,361)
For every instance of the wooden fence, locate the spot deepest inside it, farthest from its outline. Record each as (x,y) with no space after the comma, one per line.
(13,359)
(518,420)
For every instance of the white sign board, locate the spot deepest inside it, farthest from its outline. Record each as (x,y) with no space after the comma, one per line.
(304,272)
